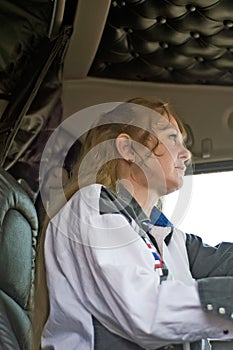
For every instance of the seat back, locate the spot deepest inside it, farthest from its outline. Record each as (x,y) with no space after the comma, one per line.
(18,238)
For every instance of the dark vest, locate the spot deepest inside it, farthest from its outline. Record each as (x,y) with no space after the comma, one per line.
(105,340)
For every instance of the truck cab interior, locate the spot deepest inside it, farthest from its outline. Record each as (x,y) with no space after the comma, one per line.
(61,57)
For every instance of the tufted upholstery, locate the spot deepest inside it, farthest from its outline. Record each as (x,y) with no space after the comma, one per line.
(23,25)
(18,232)
(168,41)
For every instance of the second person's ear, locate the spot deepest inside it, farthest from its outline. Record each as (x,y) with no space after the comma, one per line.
(124,147)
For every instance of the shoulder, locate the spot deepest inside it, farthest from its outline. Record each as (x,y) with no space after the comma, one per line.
(83,203)
(92,217)
(89,202)
(86,196)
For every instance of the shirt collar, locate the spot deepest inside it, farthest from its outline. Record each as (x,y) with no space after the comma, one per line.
(157,218)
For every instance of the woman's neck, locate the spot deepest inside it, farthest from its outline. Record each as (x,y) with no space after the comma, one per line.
(145,198)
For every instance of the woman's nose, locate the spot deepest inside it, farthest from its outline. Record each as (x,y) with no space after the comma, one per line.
(185,153)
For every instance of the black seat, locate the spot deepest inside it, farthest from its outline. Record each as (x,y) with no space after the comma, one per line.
(18,238)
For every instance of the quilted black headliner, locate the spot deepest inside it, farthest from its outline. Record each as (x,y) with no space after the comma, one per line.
(168,41)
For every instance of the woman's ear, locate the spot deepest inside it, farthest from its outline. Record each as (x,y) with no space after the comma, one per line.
(124,147)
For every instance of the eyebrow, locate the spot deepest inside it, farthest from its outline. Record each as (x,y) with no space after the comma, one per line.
(169,126)
(162,124)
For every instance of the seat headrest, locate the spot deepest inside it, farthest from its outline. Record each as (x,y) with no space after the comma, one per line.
(18,237)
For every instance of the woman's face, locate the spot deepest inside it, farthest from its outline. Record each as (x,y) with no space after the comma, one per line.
(163,169)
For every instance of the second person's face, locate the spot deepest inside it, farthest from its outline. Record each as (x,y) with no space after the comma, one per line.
(164,168)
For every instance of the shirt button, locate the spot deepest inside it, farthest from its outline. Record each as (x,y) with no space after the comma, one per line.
(209,307)
(222,310)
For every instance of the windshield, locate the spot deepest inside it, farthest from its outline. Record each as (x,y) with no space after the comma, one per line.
(205,206)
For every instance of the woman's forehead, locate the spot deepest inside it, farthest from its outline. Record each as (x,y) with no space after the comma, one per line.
(165,123)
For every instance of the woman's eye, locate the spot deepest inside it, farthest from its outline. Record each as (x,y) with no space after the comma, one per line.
(173,137)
